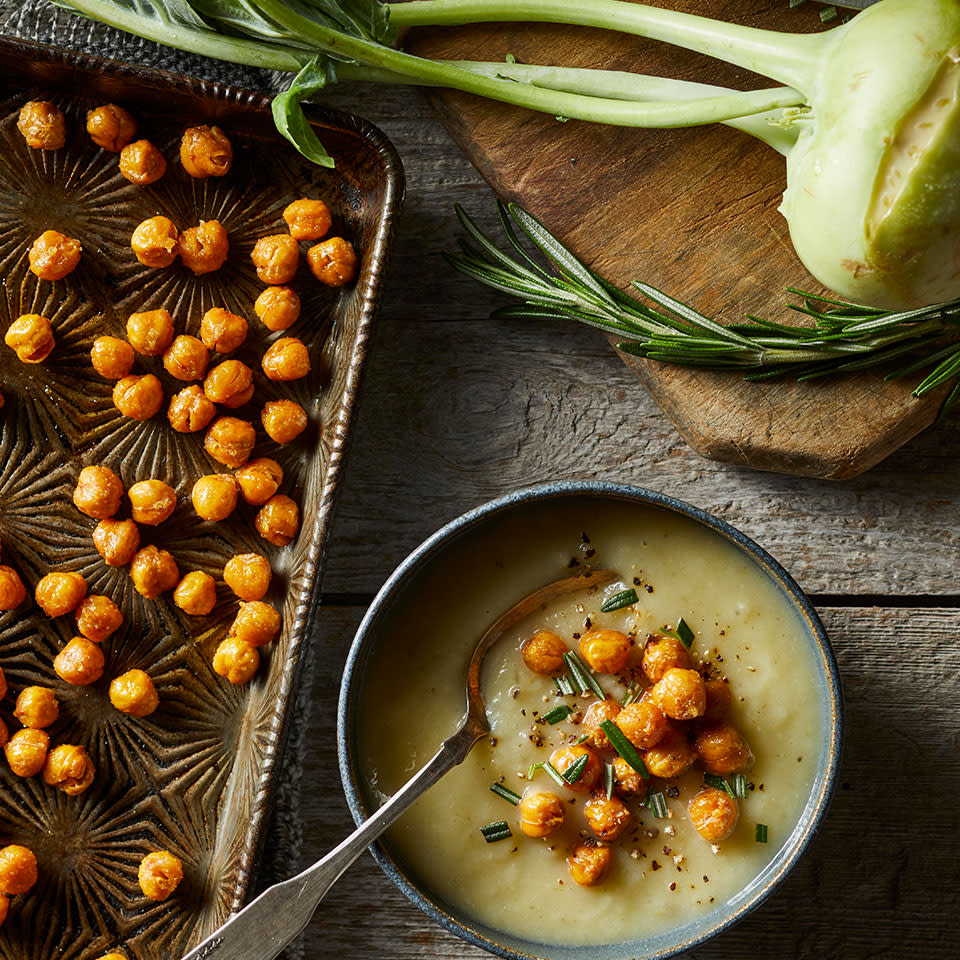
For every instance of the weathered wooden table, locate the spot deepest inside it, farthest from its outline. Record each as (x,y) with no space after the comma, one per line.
(457,409)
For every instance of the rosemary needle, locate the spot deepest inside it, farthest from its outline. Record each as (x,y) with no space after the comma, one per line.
(844,337)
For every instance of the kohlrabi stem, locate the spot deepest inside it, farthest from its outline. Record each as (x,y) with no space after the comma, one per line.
(789,58)
(612,84)
(624,113)
(254,53)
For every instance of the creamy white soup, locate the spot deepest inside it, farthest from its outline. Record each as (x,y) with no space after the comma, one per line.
(663,873)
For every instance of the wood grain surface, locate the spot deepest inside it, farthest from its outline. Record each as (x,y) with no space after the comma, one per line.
(693,212)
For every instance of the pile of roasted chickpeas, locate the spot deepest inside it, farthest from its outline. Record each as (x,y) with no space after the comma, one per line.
(227,384)
(676,718)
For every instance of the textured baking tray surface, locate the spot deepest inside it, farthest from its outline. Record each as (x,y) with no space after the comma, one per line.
(194,777)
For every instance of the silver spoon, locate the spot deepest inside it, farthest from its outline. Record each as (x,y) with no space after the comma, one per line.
(265,926)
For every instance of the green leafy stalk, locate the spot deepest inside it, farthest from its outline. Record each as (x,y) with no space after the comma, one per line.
(551,283)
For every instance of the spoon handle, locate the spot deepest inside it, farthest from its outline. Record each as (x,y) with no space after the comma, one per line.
(265,926)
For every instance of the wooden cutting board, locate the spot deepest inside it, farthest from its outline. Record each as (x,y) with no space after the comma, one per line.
(693,212)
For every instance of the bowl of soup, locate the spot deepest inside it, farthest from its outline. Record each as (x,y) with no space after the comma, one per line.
(664,741)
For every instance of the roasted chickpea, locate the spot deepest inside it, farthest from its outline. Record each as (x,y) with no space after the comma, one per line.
(541,813)
(333,262)
(286,359)
(138,397)
(719,699)
(116,541)
(713,813)
(69,768)
(278,520)
(112,357)
(222,330)
(607,651)
(98,492)
(30,337)
(628,782)
(215,496)
(152,502)
(4,908)
(259,480)
(662,654)
(256,622)
(133,692)
(186,358)
(277,307)
(190,410)
(79,663)
(26,751)
(671,756)
(543,653)
(680,694)
(142,163)
(606,818)
(642,723)
(153,572)
(276,258)
(196,593)
(112,956)
(230,384)
(59,592)
(160,874)
(230,441)
(111,127)
(248,575)
(156,242)
(204,248)
(151,332)
(53,255)
(42,125)
(589,862)
(308,219)
(597,712)
(565,757)
(12,590)
(18,869)
(205,152)
(98,617)
(37,707)
(283,420)
(723,749)
(236,659)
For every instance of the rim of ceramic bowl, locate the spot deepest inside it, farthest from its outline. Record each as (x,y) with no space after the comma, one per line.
(775,871)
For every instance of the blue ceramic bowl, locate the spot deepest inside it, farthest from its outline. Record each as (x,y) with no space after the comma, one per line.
(452,544)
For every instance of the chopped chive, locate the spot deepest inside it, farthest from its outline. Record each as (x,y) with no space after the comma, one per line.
(761,835)
(505,792)
(564,686)
(554,774)
(575,771)
(582,739)
(583,675)
(685,633)
(625,748)
(498,830)
(657,803)
(608,779)
(557,714)
(625,598)
(532,772)
(712,780)
(797,3)
(827,15)
(632,695)
(739,786)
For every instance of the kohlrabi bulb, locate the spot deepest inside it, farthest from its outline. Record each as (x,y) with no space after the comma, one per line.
(873,197)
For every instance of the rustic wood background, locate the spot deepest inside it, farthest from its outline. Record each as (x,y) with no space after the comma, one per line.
(457,409)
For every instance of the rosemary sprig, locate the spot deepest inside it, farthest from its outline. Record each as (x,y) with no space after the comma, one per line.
(845,337)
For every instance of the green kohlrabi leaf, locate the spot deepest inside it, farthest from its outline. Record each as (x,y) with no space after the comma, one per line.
(288,114)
